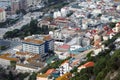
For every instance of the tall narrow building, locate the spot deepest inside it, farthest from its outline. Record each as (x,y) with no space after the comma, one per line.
(14,6)
(23,4)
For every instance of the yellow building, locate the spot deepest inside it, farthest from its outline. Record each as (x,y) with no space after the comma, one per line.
(66,76)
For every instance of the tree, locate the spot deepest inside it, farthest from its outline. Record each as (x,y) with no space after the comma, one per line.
(33,76)
(100,76)
(23,11)
(17,11)
(99,65)
(74,70)
(2,47)
(99,15)
(13,63)
(84,77)
(10,76)
(112,24)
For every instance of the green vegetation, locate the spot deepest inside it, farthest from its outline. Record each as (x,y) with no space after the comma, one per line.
(8,22)
(112,24)
(12,76)
(58,6)
(104,63)
(33,76)
(22,76)
(99,15)
(28,30)
(21,11)
(3,47)
(13,63)
(68,15)
(111,40)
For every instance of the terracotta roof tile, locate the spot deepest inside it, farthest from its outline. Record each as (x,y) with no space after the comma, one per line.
(9,58)
(48,72)
(33,41)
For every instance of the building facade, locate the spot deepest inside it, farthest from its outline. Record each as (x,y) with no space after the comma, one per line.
(2,15)
(23,4)
(33,48)
(15,5)
(39,44)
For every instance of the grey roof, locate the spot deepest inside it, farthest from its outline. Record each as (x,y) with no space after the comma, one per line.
(4,43)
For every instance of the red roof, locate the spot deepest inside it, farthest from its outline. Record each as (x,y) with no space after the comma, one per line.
(76,29)
(89,64)
(109,32)
(53,24)
(60,18)
(50,71)
(65,62)
(1,10)
(106,28)
(65,46)
(94,31)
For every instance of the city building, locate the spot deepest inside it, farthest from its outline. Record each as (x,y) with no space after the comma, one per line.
(86,65)
(64,48)
(42,77)
(26,68)
(116,28)
(15,5)
(66,76)
(65,67)
(2,15)
(39,44)
(46,75)
(32,3)
(5,60)
(23,4)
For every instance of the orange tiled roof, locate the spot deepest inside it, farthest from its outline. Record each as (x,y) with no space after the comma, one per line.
(9,58)
(75,62)
(66,76)
(42,75)
(86,65)
(33,41)
(48,72)
(33,58)
(6,55)
(117,0)
(89,64)
(65,62)
(48,37)
(22,53)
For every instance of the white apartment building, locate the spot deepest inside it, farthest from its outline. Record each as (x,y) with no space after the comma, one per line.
(2,15)
(65,67)
(33,48)
(25,68)
(39,44)
(5,61)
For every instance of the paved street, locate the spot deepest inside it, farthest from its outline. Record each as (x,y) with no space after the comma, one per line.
(13,44)
(83,54)
(18,25)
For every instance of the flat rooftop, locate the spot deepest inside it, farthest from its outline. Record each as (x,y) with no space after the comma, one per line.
(37,39)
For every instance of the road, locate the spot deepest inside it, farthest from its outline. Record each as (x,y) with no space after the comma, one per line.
(13,44)
(83,54)
(18,25)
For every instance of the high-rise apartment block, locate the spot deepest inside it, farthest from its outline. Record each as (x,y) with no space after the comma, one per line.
(39,44)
